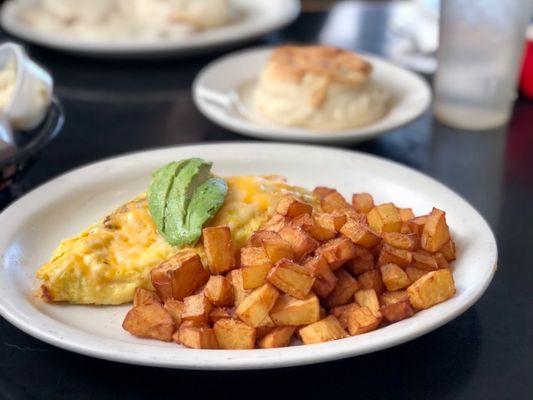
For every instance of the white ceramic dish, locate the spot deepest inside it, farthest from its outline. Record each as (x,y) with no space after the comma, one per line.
(222,92)
(33,226)
(32,92)
(259,17)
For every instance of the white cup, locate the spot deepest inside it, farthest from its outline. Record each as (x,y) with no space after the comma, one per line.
(32,94)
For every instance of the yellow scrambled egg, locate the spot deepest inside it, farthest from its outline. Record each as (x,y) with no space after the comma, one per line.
(105,263)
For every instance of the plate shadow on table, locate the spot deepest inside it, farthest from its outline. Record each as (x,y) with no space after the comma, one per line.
(405,368)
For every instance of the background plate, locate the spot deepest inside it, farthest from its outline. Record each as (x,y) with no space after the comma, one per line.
(260,17)
(33,226)
(227,76)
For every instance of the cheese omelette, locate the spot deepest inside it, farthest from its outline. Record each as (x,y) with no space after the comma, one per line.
(106,262)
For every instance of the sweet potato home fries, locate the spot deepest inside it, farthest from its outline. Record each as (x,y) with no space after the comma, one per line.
(317,268)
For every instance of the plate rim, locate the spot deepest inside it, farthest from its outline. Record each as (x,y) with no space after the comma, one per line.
(292,9)
(251,129)
(231,362)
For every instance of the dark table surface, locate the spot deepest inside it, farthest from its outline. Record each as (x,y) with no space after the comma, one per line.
(113,107)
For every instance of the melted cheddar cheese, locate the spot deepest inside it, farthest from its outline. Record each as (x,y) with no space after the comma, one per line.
(106,262)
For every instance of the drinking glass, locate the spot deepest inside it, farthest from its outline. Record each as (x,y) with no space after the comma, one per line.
(479,57)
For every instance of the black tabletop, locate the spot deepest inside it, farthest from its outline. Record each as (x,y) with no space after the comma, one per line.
(113,107)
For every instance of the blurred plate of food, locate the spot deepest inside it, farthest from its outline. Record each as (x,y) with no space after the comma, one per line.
(309,93)
(140,28)
(240,256)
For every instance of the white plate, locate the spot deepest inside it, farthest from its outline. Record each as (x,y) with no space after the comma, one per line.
(222,93)
(259,18)
(34,225)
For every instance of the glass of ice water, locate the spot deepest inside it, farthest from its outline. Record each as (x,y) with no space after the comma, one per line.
(479,56)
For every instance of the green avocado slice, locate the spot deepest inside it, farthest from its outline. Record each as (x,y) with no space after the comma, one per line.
(206,201)
(159,189)
(182,197)
(195,172)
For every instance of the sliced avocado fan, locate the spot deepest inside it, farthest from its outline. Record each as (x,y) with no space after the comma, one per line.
(182,197)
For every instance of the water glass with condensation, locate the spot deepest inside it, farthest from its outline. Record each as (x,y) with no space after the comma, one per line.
(479,57)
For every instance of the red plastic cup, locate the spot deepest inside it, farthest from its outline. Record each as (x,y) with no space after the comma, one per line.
(526,77)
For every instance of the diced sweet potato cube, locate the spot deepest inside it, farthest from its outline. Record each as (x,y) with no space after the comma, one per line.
(371,280)
(196,337)
(239,292)
(406,214)
(256,264)
(324,330)
(436,232)
(394,277)
(322,191)
(387,298)
(179,276)
(441,260)
(330,221)
(334,202)
(233,334)
(175,309)
(384,218)
(392,255)
(448,250)
(291,278)
(219,249)
(292,207)
(308,224)
(360,234)
(417,224)
(222,312)
(433,288)
(362,320)
(363,261)
(275,223)
(337,251)
(400,240)
(196,307)
(362,202)
(397,311)
(424,261)
(415,274)
(325,279)
(278,337)
(266,326)
(302,244)
(149,321)
(145,297)
(344,290)
(290,311)
(368,298)
(256,306)
(219,291)
(342,313)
